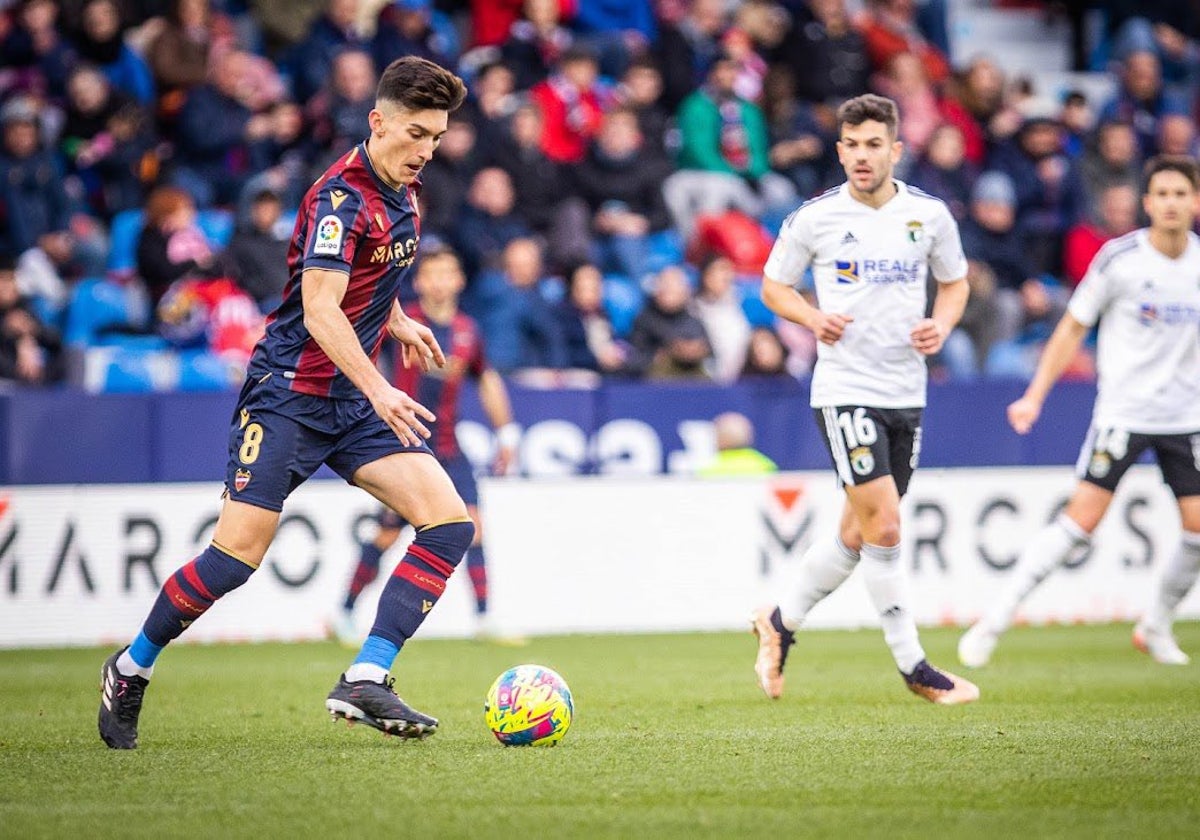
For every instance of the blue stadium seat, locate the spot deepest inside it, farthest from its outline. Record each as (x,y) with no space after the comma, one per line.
(95,305)
(126,228)
(129,372)
(663,249)
(218,225)
(204,371)
(756,311)
(622,301)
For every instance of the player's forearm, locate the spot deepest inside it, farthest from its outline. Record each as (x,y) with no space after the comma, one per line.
(493,396)
(949,304)
(1059,351)
(787,303)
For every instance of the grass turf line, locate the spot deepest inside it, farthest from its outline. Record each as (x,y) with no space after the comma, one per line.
(1077,735)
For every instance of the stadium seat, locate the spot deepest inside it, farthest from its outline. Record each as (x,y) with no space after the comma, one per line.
(217,225)
(204,371)
(622,301)
(126,228)
(103,311)
(756,311)
(663,249)
(131,371)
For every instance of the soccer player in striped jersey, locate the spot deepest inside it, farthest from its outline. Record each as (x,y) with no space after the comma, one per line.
(1144,290)
(870,243)
(314,395)
(438,283)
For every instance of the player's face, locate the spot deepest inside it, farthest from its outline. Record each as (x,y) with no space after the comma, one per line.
(1171,202)
(439,280)
(868,153)
(403,141)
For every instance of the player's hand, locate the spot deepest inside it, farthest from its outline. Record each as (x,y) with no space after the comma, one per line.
(403,415)
(829,326)
(928,336)
(505,456)
(417,344)
(1023,413)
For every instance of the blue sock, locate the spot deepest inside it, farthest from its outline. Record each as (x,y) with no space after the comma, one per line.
(143,651)
(377,650)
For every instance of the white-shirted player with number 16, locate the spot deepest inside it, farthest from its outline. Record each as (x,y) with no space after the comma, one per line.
(1144,289)
(870,243)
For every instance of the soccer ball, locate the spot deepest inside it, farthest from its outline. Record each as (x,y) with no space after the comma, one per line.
(529,705)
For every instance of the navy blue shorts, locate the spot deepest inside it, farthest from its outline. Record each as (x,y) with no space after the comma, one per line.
(461,473)
(278,438)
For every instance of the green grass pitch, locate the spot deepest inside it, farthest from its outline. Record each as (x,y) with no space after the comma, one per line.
(1076,735)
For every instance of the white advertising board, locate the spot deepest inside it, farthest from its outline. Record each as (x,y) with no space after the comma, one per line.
(83,564)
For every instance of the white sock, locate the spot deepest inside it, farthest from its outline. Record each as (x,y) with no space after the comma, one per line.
(126,666)
(822,569)
(1177,580)
(1049,549)
(887,586)
(366,671)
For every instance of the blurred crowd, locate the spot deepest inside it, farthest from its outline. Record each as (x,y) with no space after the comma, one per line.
(613,184)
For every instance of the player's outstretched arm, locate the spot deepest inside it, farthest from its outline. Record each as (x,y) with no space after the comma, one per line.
(786,302)
(417,342)
(930,333)
(1059,350)
(325,321)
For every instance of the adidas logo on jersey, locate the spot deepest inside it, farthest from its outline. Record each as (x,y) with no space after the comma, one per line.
(849,239)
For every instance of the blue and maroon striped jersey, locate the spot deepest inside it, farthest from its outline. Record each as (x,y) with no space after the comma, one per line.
(439,389)
(350,221)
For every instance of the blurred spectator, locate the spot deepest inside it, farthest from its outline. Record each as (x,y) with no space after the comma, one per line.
(979,91)
(765,355)
(668,341)
(40,222)
(447,177)
(617,30)
(640,90)
(492,20)
(571,105)
(1111,158)
(990,235)
(543,194)
(101,42)
(1078,122)
(86,136)
(36,47)
(621,182)
(889,27)
(536,42)
(1177,135)
(217,127)
(943,170)
(488,221)
(827,56)
(1049,191)
(30,351)
(1142,100)
(904,81)
(586,329)
(312,59)
(1116,215)
(338,113)
(171,244)
(967,347)
(405,27)
(718,305)
(493,102)
(800,148)
(520,328)
(282,159)
(687,49)
(724,156)
(258,251)
(736,455)
(179,54)
(737,46)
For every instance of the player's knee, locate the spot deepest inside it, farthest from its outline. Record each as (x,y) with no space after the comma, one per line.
(881,528)
(448,540)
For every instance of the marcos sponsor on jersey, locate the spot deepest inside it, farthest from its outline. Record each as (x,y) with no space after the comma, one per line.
(329,236)
(879,272)
(403,252)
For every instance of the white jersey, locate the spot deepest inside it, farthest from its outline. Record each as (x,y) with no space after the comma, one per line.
(870,264)
(1148,353)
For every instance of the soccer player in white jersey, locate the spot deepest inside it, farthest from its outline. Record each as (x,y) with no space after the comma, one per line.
(870,244)
(1144,289)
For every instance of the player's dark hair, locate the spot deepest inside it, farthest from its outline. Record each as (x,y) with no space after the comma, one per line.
(860,109)
(1185,166)
(417,84)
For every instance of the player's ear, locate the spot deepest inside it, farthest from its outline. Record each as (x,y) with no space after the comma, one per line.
(375,119)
